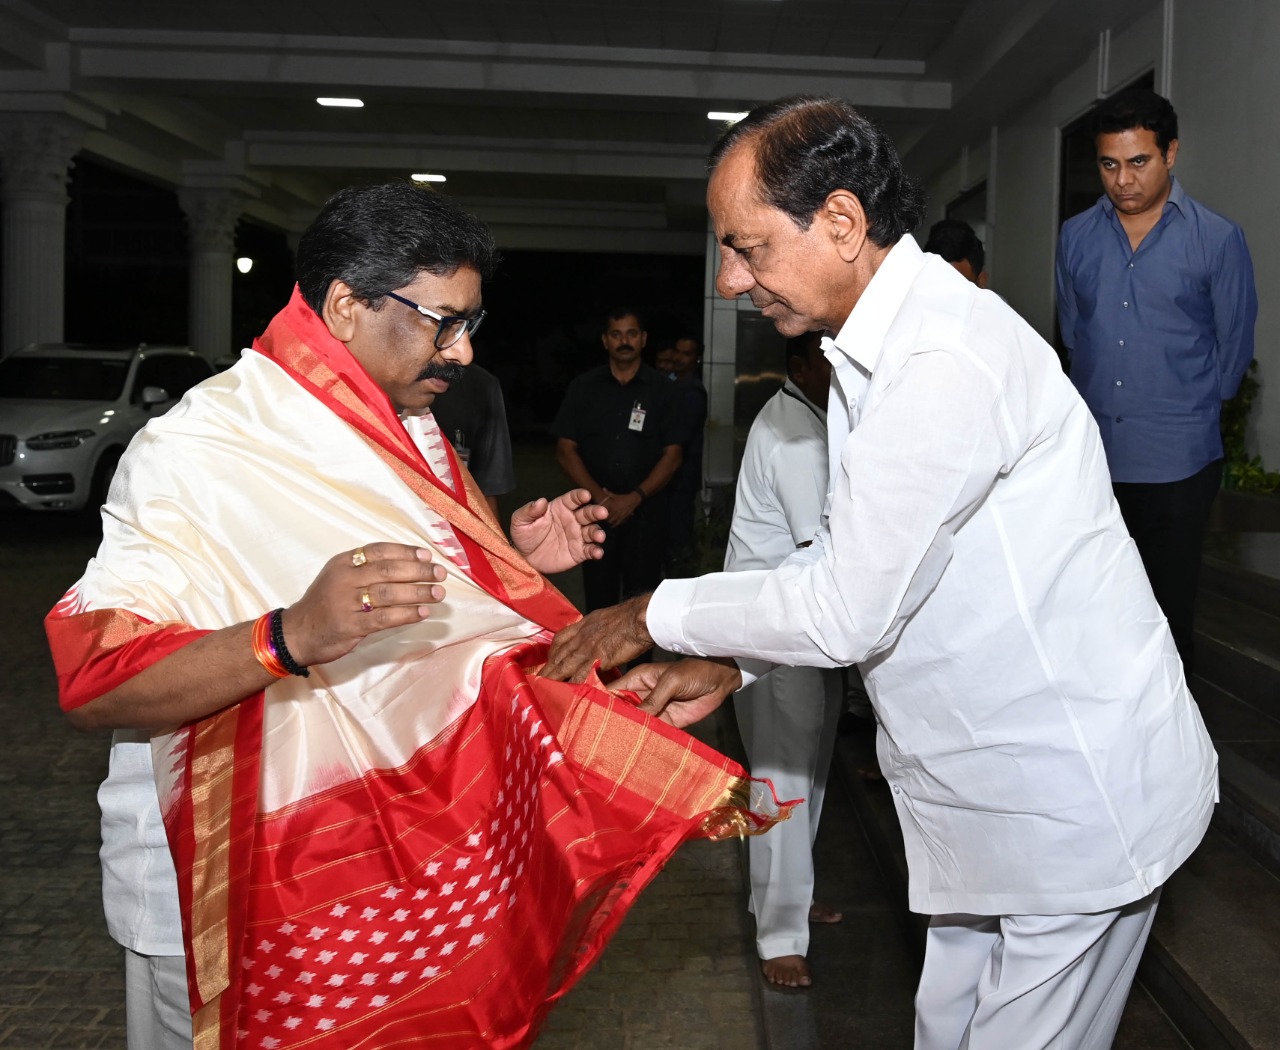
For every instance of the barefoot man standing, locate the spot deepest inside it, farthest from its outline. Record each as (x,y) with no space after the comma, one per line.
(788,718)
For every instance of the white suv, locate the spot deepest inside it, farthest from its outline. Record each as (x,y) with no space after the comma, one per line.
(67,412)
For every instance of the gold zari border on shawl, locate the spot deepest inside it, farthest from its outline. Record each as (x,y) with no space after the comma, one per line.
(667,772)
(519,578)
(212,771)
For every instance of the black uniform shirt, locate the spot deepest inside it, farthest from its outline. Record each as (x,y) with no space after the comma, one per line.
(473,417)
(597,413)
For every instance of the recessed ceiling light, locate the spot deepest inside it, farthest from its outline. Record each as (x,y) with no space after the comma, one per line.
(347,103)
(732,118)
(244,264)
(427,178)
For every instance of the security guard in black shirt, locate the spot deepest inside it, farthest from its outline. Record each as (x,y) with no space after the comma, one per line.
(618,436)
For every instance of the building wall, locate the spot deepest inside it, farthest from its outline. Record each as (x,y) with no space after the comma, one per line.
(1022,165)
(1225,83)
(972,165)
(1216,62)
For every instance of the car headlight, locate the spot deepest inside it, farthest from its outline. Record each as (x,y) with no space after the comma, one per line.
(58,439)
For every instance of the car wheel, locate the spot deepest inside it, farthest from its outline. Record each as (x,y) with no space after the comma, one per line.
(102,475)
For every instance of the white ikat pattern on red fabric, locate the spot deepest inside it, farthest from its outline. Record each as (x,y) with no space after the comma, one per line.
(426,435)
(312,974)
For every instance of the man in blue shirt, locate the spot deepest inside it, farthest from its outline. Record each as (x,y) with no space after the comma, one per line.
(1156,304)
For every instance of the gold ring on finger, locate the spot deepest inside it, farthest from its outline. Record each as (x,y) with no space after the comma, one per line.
(366,601)
(358,557)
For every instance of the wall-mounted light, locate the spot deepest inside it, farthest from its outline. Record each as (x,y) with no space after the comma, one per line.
(342,103)
(244,264)
(423,177)
(732,118)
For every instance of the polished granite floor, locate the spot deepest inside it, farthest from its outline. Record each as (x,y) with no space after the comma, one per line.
(680,974)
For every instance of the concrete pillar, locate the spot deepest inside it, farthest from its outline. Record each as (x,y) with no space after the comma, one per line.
(212,215)
(719,372)
(35,163)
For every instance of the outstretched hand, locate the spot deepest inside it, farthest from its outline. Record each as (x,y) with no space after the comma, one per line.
(555,535)
(358,593)
(683,692)
(611,636)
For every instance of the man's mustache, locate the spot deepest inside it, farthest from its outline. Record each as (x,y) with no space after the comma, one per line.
(449,371)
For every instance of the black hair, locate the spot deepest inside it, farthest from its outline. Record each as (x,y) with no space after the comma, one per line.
(618,313)
(380,238)
(801,346)
(808,146)
(1137,108)
(954,240)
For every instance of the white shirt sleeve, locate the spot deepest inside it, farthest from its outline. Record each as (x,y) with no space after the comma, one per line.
(800,491)
(919,461)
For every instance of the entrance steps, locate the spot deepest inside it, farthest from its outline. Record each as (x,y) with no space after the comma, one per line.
(1211,971)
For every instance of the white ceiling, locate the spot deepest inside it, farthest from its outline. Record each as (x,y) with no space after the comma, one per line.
(546,115)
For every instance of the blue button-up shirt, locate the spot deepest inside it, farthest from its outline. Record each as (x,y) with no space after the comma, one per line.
(1158,337)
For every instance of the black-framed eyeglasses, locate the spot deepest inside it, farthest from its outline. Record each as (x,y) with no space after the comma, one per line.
(449,327)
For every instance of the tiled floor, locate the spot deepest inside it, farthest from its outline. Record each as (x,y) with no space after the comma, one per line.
(679,974)
(60,982)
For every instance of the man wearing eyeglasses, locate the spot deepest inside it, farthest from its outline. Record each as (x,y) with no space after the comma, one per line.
(317,649)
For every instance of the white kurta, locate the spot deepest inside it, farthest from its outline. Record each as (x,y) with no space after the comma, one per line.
(788,718)
(782,483)
(1036,728)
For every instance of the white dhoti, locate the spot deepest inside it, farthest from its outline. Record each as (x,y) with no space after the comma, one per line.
(1035,982)
(157,1006)
(788,724)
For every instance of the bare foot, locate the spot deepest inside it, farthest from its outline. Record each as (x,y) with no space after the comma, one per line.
(821,913)
(787,971)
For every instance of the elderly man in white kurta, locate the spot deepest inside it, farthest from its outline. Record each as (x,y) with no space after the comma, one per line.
(1049,766)
(787,718)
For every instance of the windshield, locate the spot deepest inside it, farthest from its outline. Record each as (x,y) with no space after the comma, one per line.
(63,378)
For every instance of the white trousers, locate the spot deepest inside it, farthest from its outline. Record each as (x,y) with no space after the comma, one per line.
(788,724)
(157,1007)
(1035,982)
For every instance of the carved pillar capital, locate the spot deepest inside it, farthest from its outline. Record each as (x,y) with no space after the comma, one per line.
(212,215)
(36,150)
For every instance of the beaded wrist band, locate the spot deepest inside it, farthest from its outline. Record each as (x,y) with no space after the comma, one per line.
(280,650)
(263,650)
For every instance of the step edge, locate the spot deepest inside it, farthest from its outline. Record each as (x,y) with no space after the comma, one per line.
(1204,1025)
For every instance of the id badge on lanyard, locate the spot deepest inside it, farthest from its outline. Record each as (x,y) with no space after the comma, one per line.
(637,417)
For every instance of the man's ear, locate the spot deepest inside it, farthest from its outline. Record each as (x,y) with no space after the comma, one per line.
(339,311)
(844,215)
(1171,154)
(982,279)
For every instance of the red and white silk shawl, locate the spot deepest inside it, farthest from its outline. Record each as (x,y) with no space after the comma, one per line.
(423,844)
